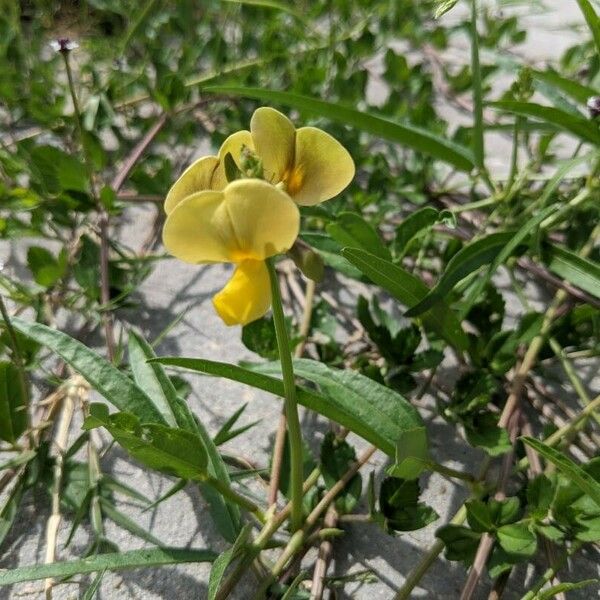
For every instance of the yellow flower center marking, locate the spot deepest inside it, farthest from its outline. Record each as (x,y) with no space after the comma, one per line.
(293,178)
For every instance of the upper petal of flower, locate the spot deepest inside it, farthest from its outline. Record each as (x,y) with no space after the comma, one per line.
(232,145)
(246,296)
(198,229)
(322,167)
(196,178)
(273,135)
(264,219)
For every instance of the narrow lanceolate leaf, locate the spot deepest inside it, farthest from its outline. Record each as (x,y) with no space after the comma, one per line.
(114,385)
(507,251)
(584,481)
(412,226)
(414,137)
(580,127)
(592,20)
(409,290)
(350,229)
(166,449)
(582,272)
(575,90)
(362,418)
(152,378)
(467,260)
(13,403)
(113,561)
(555,590)
(10,507)
(366,396)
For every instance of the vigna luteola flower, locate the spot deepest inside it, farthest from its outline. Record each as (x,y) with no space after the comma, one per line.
(252,218)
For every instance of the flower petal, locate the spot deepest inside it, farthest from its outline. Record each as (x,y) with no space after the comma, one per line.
(322,167)
(273,135)
(196,178)
(247,295)
(198,229)
(265,220)
(232,145)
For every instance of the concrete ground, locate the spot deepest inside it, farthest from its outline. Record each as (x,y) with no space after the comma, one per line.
(175,288)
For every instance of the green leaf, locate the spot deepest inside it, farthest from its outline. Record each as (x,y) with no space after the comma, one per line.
(540,493)
(22,459)
(483,432)
(409,290)
(478,125)
(467,260)
(226,432)
(166,449)
(579,126)
(582,272)
(113,561)
(592,20)
(516,538)
(559,588)
(414,137)
(478,516)
(337,456)
(11,506)
(45,267)
(399,504)
(259,337)
(461,543)
(114,385)
(584,481)
(506,252)
(412,454)
(224,560)
(123,521)
(504,511)
(56,170)
(411,227)
(13,403)
(330,251)
(159,386)
(350,229)
(443,6)
(575,90)
(93,589)
(361,418)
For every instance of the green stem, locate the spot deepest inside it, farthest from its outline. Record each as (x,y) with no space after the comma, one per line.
(451,473)
(290,404)
(229,493)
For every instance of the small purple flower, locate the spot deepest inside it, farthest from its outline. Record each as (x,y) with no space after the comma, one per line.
(63,45)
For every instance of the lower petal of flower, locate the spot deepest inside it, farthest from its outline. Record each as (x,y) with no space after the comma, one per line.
(247,295)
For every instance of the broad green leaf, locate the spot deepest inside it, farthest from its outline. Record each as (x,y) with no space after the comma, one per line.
(331,253)
(461,542)
(360,418)
(575,90)
(13,403)
(221,563)
(152,378)
(517,538)
(582,272)
(411,227)
(592,20)
(114,385)
(584,481)
(350,229)
(409,290)
(45,267)
(113,561)
(559,588)
(414,137)
(412,455)
(478,516)
(579,126)
(399,504)
(467,260)
(174,451)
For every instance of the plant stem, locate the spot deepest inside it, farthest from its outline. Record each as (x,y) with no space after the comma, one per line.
(282,426)
(290,404)
(103,215)
(229,493)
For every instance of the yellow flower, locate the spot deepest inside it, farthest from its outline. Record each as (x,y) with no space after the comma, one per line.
(245,223)
(309,164)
